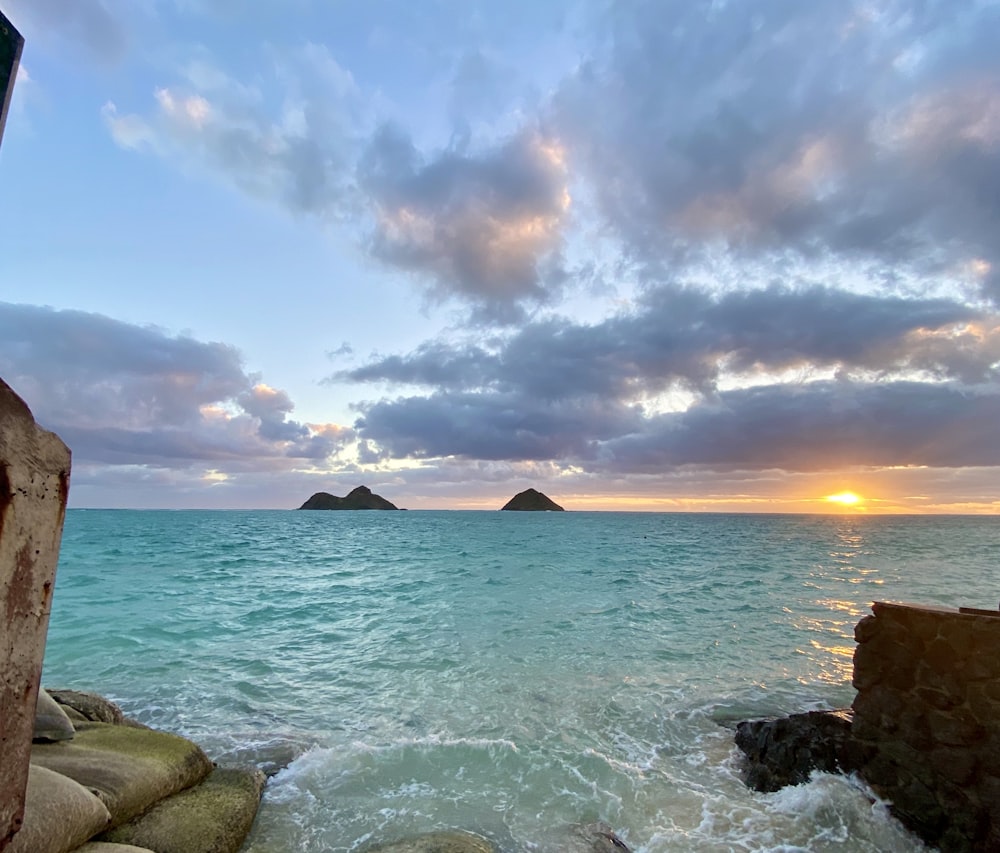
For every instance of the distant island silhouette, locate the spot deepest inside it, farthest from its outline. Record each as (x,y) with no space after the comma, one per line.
(531,500)
(360,498)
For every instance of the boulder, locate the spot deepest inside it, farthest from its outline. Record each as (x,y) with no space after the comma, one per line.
(213,817)
(51,722)
(129,768)
(785,751)
(360,498)
(59,815)
(531,500)
(108,847)
(89,706)
(454,841)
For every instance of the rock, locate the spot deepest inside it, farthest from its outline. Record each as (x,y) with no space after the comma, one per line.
(108,847)
(59,815)
(785,751)
(129,768)
(51,722)
(271,755)
(91,707)
(601,838)
(34,484)
(531,501)
(213,817)
(454,841)
(360,498)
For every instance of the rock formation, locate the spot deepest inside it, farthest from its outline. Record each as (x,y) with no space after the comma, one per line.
(786,750)
(360,498)
(923,730)
(531,500)
(117,785)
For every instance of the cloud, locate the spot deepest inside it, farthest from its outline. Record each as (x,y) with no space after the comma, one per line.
(830,131)
(687,338)
(646,386)
(300,151)
(819,426)
(124,394)
(485,226)
(85,23)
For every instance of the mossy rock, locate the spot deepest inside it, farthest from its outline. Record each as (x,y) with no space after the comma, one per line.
(213,817)
(130,769)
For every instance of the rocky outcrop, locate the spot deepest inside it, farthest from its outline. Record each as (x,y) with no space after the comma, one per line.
(923,731)
(120,787)
(786,750)
(927,720)
(531,500)
(360,498)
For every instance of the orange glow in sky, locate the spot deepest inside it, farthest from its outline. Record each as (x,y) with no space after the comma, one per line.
(844,498)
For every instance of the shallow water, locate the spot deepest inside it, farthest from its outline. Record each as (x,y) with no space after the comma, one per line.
(511,674)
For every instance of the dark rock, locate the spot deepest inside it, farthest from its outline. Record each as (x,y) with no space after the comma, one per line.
(787,750)
(360,498)
(531,500)
(439,842)
(89,706)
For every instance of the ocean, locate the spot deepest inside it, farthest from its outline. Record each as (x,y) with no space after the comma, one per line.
(516,675)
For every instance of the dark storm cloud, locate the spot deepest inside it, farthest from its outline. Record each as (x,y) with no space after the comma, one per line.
(827,129)
(819,426)
(689,338)
(485,226)
(116,392)
(493,426)
(813,427)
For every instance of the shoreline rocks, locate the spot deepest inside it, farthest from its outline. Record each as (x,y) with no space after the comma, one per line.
(117,786)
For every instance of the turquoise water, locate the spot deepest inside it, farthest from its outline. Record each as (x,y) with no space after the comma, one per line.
(513,674)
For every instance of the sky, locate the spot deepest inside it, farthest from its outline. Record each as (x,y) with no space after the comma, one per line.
(671,255)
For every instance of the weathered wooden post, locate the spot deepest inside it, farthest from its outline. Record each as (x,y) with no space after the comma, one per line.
(34,481)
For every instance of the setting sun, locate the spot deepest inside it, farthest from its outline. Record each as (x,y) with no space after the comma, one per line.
(844,498)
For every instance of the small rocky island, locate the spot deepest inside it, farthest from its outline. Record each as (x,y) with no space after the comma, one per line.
(360,498)
(531,500)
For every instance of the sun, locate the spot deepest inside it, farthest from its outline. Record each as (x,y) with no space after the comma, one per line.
(844,498)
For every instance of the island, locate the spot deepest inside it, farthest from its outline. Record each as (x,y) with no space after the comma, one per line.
(360,498)
(531,500)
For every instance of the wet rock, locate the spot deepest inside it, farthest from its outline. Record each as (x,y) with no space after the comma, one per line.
(439,842)
(785,751)
(91,707)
